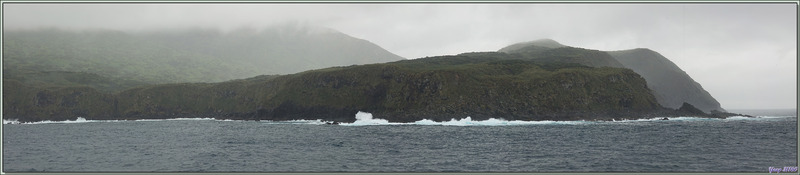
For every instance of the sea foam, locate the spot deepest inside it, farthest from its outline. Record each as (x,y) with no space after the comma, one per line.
(312,122)
(366,119)
(84,120)
(78,120)
(11,121)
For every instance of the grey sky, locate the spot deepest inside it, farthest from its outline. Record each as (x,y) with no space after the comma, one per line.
(745,55)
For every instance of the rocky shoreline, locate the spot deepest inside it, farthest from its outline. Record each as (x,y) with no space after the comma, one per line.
(348,116)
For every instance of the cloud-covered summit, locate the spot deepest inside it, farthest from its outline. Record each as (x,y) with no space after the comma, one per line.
(708,41)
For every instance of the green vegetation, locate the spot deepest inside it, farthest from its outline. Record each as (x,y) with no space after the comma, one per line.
(56,75)
(512,89)
(57,103)
(480,85)
(593,58)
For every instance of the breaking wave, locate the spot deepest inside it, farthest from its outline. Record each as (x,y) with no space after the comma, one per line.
(84,120)
(366,119)
(78,120)
(296,122)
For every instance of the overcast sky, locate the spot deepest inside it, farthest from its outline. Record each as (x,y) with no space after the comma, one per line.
(745,55)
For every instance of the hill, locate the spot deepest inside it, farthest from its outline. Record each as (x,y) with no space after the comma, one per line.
(544,44)
(480,85)
(176,56)
(671,85)
(530,83)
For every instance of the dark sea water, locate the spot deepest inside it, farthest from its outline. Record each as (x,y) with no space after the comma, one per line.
(682,144)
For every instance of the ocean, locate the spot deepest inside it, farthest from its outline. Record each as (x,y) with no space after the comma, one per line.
(681,144)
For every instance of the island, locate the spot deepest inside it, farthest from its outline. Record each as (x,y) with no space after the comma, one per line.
(535,83)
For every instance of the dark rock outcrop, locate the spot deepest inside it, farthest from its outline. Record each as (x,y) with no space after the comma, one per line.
(690,109)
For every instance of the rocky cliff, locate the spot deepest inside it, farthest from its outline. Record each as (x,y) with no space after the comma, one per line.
(535,83)
(480,85)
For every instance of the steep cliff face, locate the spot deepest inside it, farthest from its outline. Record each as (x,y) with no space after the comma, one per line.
(28,103)
(671,85)
(531,83)
(439,88)
(510,89)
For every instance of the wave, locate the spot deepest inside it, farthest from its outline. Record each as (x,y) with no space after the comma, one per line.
(312,122)
(78,120)
(759,117)
(84,120)
(10,121)
(366,119)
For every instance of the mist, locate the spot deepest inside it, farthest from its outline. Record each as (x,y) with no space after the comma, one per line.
(745,55)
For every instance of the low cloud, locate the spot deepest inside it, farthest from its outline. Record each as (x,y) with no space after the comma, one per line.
(743,54)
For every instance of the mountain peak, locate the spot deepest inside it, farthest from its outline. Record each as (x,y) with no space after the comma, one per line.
(546,43)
